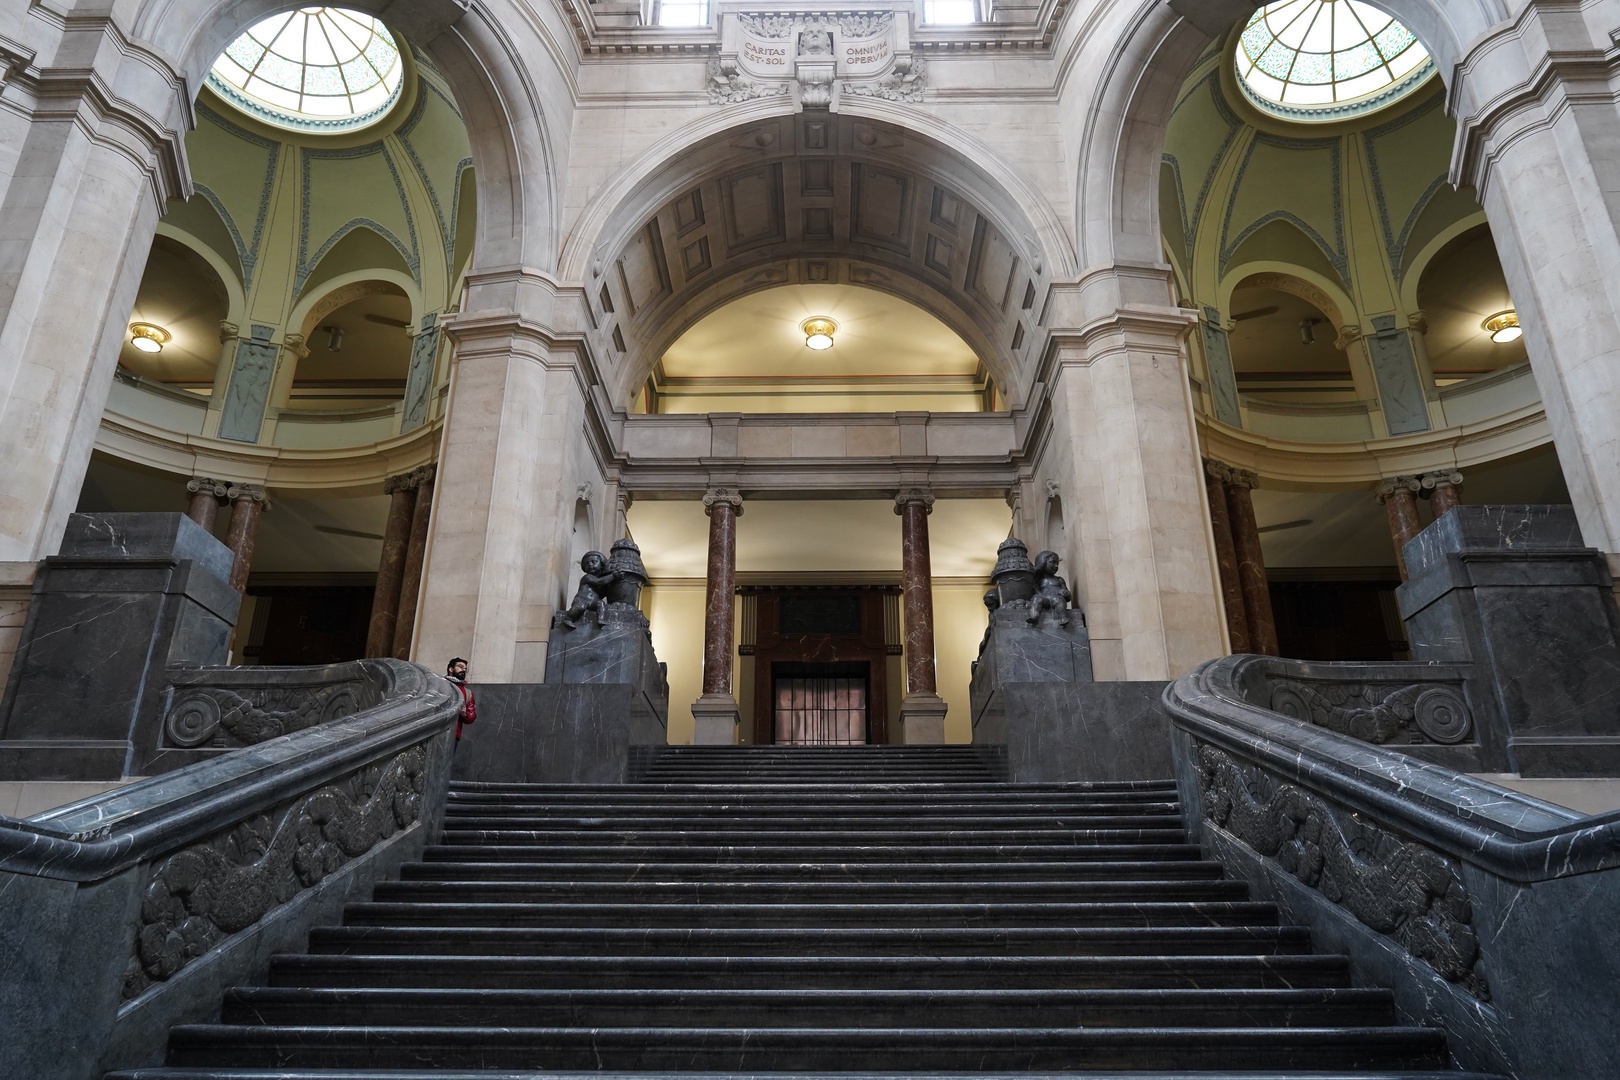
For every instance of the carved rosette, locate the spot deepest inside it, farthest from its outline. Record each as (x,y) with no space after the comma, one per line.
(1378,712)
(221,718)
(1402,889)
(201,895)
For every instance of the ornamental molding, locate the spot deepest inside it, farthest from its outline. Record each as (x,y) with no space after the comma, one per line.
(815,57)
(1399,888)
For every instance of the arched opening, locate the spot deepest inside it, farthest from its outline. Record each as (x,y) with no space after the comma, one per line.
(358,350)
(1460,290)
(753,355)
(184,296)
(815,200)
(1283,346)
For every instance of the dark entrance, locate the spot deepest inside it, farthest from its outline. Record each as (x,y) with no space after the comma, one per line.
(820,663)
(820,704)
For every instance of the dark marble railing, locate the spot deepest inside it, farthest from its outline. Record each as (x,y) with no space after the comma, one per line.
(1490,912)
(125,914)
(1441,712)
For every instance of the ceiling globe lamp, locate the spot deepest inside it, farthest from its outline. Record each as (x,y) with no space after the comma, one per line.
(818,332)
(148,338)
(1504,327)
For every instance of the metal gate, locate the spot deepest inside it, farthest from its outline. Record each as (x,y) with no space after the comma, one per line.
(819,710)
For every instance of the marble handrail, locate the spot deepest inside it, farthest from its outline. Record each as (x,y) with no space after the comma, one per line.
(102,836)
(1505,833)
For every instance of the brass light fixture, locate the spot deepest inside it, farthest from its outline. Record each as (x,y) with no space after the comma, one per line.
(148,338)
(1504,326)
(818,332)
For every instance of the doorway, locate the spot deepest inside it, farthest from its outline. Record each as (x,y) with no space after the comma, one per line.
(820,704)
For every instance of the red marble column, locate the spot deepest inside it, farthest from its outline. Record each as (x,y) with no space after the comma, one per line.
(917,589)
(246,503)
(922,710)
(1442,490)
(205,495)
(1399,496)
(1226,561)
(1251,563)
(391,567)
(723,506)
(410,584)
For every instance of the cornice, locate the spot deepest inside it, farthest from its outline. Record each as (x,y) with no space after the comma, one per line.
(361,469)
(1337,465)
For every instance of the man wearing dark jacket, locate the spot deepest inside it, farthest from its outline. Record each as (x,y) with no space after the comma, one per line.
(456,673)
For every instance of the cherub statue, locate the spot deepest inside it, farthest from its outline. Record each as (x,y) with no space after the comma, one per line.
(593,587)
(992,601)
(1051,591)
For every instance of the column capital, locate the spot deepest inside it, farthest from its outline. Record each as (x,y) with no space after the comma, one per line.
(1392,484)
(914,495)
(410,481)
(722,496)
(1220,470)
(248,493)
(219,489)
(1054,490)
(229,331)
(1241,478)
(584,492)
(1439,478)
(1348,336)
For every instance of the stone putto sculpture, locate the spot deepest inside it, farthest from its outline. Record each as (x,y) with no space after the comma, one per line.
(593,589)
(1051,591)
(609,588)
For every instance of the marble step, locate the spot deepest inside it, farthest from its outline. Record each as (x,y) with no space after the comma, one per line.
(475,890)
(904,914)
(1072,830)
(783,941)
(709,854)
(830,1048)
(722,806)
(1326,1007)
(912,869)
(230,1073)
(1268,971)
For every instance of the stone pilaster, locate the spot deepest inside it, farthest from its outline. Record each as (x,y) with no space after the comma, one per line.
(1226,561)
(1122,419)
(512,443)
(410,584)
(922,711)
(1399,496)
(206,495)
(95,149)
(1251,561)
(401,492)
(715,715)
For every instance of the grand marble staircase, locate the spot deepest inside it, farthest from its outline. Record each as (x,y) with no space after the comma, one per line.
(808,911)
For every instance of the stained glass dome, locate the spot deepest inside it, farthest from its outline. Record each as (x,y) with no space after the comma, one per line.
(1327,59)
(313,69)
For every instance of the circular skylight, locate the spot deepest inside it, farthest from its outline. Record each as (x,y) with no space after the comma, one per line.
(1327,59)
(313,69)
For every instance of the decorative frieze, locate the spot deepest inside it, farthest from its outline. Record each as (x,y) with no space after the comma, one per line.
(221,886)
(1404,890)
(862,53)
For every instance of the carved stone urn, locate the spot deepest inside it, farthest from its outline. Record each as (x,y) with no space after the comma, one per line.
(1014,575)
(625,561)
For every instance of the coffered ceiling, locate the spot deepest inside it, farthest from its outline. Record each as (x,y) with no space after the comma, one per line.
(811,200)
